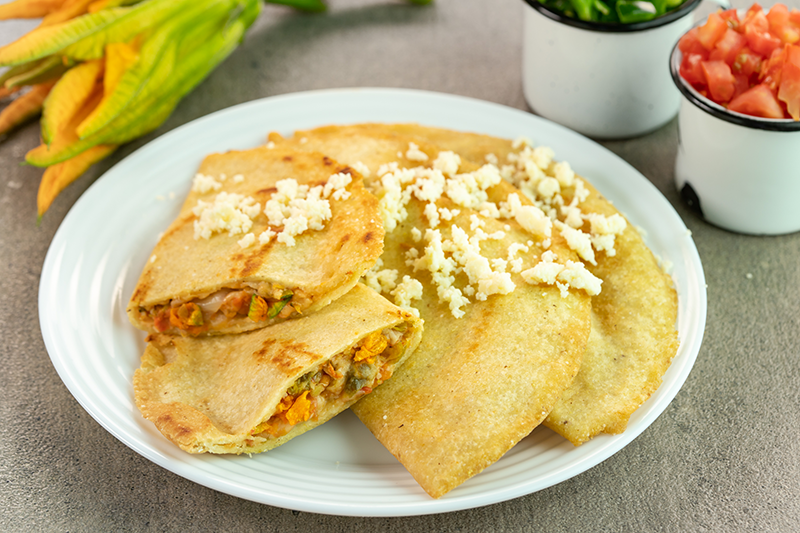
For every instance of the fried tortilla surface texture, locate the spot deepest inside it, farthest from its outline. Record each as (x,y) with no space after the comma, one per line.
(634,336)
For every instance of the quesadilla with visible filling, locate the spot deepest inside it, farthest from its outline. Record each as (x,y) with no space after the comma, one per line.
(633,338)
(253,391)
(264,235)
(501,344)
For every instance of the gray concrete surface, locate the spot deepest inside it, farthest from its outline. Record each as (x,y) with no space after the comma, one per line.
(723,457)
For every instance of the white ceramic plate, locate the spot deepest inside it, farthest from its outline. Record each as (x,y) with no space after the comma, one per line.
(339,468)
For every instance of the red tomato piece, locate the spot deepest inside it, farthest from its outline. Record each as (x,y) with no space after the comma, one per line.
(712,31)
(794,17)
(789,92)
(692,71)
(780,26)
(747,62)
(728,47)
(719,79)
(731,17)
(755,17)
(770,74)
(757,101)
(740,84)
(760,41)
(689,44)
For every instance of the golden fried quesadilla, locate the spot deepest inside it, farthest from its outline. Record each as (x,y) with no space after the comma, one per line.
(253,391)
(501,344)
(633,337)
(264,235)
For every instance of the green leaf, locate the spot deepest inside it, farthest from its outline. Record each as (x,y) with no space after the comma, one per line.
(311,6)
(584,9)
(635,11)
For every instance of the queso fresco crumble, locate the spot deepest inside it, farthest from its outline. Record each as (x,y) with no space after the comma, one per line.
(294,208)
(539,177)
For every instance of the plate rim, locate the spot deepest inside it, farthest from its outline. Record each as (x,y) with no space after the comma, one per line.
(54,254)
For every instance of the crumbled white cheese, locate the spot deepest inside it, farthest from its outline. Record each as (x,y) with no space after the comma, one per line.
(548,187)
(448,214)
(415,154)
(405,292)
(577,240)
(247,241)
(576,276)
(521,141)
(361,168)
(564,174)
(298,208)
(266,236)
(447,162)
(335,186)
(565,276)
(432,214)
(543,156)
(531,218)
(380,279)
(229,212)
(203,184)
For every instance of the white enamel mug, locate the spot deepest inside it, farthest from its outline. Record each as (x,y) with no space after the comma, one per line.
(741,173)
(607,81)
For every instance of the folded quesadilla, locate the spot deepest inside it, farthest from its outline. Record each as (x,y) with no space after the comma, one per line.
(634,336)
(500,345)
(253,391)
(264,235)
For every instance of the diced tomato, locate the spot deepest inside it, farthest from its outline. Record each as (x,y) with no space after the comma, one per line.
(789,92)
(689,44)
(756,18)
(780,26)
(761,41)
(719,79)
(758,101)
(712,31)
(747,62)
(750,62)
(770,74)
(740,84)
(728,47)
(731,17)
(692,71)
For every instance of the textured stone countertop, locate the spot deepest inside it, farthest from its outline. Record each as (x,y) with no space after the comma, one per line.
(723,457)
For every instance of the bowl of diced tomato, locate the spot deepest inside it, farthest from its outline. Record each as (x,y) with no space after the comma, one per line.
(738,161)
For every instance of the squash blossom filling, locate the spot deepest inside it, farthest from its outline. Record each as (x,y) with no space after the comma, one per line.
(225,308)
(344,378)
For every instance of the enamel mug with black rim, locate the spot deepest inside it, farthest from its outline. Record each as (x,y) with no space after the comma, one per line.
(604,80)
(740,172)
